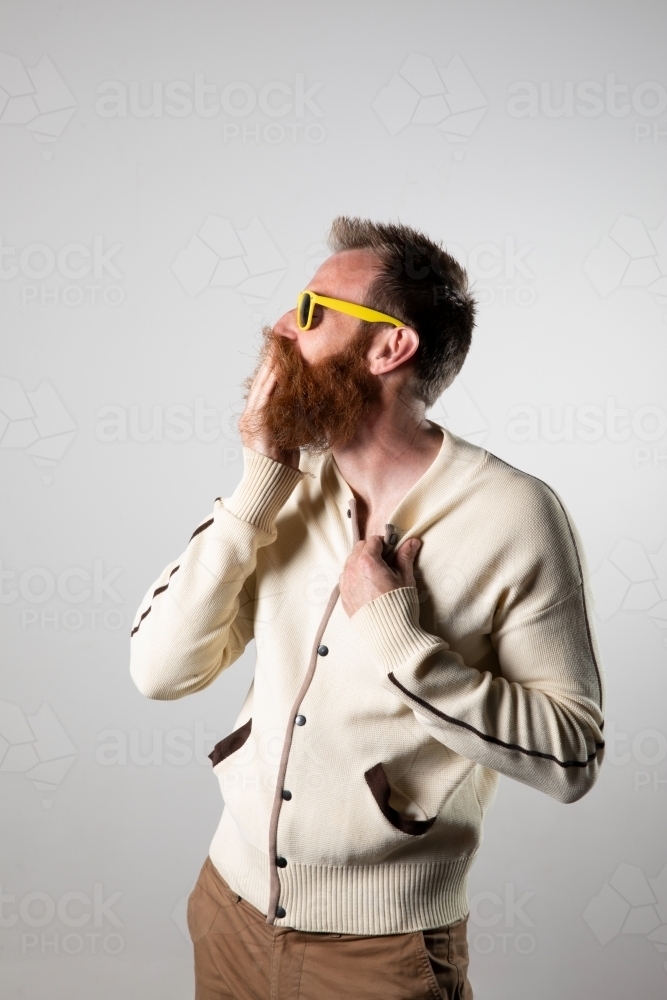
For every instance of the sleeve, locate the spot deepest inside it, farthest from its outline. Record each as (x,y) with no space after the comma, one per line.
(540,721)
(197,619)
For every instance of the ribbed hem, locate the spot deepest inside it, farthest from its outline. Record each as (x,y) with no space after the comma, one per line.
(389,624)
(374,899)
(359,899)
(264,488)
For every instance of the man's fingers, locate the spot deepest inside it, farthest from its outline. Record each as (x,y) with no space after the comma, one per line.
(266,388)
(264,374)
(373,545)
(407,552)
(261,390)
(405,557)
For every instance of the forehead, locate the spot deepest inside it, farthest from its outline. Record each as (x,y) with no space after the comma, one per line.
(346,275)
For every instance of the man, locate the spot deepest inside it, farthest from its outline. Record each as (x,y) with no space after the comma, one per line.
(386,699)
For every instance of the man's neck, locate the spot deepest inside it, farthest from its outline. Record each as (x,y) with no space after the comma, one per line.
(391,451)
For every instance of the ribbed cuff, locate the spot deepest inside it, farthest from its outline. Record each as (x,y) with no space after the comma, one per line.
(264,488)
(390,626)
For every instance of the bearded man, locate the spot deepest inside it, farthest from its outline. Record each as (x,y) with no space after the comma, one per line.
(387,698)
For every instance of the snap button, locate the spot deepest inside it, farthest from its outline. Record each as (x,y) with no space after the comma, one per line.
(280,912)
(393,538)
(322,650)
(349,512)
(281,862)
(287,795)
(300,720)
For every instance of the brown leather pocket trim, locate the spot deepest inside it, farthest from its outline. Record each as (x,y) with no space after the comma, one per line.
(376,780)
(230,743)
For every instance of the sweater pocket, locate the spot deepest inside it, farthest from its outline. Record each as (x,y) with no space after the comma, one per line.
(381,790)
(230,744)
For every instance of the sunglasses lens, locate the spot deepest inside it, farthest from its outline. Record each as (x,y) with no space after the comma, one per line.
(304,309)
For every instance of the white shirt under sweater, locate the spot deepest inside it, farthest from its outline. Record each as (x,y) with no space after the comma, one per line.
(356,779)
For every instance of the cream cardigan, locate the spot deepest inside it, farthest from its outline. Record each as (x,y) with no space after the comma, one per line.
(368,748)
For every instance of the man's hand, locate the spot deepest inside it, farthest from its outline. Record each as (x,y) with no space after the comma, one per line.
(252,433)
(366,575)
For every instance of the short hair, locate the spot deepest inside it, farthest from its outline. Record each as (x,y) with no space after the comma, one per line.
(421,284)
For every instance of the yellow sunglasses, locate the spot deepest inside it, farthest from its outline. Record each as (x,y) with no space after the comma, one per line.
(306,302)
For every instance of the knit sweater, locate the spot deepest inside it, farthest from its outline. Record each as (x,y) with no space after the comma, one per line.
(368,747)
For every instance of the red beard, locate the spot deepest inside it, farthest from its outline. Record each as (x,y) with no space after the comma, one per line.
(318,406)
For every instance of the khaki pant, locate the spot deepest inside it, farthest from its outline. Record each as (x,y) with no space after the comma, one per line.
(238,955)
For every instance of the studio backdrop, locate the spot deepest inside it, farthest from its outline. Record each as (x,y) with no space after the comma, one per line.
(169,174)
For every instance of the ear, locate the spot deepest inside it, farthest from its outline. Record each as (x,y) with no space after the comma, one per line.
(391,348)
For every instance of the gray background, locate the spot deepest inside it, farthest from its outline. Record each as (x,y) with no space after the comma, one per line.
(143,247)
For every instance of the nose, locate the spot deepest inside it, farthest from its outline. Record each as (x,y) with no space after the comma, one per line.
(286,326)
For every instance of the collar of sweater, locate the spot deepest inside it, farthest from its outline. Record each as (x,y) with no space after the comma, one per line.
(428,500)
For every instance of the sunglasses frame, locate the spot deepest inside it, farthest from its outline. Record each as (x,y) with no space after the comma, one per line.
(342,306)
